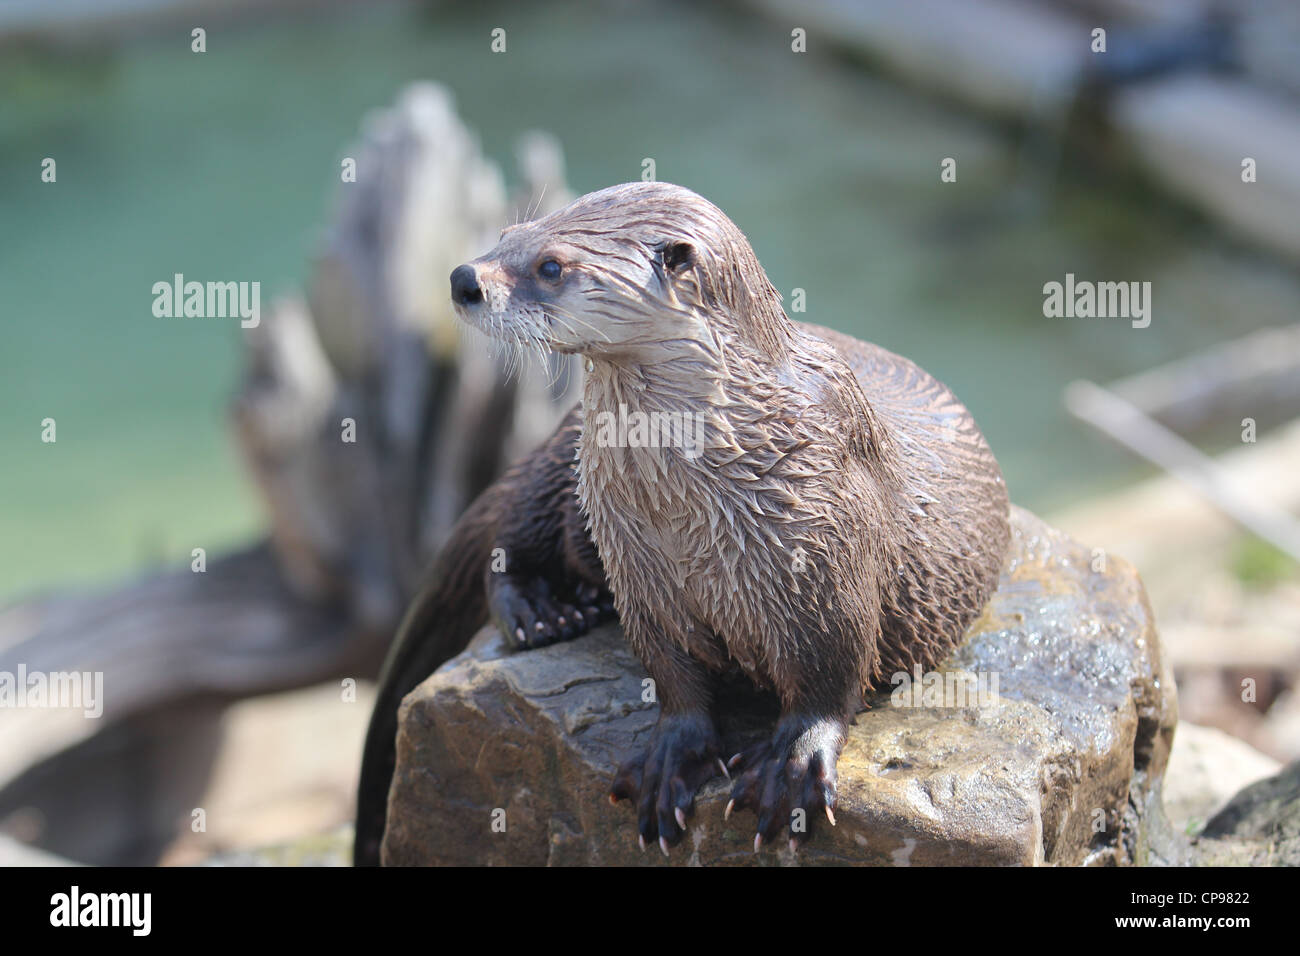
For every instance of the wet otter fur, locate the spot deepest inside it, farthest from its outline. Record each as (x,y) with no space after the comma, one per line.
(842,518)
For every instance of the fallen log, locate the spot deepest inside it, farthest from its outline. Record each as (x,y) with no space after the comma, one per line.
(366,427)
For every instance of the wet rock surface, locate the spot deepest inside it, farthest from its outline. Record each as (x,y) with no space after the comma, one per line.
(507,758)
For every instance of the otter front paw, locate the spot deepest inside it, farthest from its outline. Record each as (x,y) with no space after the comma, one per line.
(793,771)
(531,613)
(682,757)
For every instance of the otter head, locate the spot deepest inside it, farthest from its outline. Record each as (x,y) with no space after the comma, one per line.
(630,274)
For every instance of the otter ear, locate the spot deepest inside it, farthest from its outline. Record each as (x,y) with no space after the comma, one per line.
(676,256)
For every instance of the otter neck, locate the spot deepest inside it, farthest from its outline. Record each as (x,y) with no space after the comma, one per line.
(696,375)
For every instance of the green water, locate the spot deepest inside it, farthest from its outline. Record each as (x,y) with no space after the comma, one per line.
(222,166)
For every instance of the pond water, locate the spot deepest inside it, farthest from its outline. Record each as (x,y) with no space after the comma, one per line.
(223,165)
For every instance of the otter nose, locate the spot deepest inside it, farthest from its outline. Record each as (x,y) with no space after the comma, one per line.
(464,286)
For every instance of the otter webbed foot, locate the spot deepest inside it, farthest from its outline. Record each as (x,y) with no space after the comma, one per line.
(682,757)
(789,780)
(531,612)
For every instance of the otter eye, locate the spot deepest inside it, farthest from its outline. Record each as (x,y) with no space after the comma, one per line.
(549,270)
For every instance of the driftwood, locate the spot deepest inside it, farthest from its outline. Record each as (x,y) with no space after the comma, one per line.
(373,353)
(1255,376)
(1133,428)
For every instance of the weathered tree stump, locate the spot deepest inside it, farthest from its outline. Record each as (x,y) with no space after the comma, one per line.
(368,420)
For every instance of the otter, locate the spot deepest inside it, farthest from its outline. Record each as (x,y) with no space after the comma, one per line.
(837,516)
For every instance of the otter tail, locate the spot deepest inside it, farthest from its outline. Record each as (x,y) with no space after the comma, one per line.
(437,626)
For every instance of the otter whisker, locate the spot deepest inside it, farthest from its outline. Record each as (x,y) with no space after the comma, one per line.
(532,213)
(514,344)
(557,313)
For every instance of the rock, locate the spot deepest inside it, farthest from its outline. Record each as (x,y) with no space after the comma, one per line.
(1206,768)
(1260,826)
(1060,764)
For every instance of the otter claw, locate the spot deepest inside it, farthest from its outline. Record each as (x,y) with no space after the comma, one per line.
(723,767)
(795,770)
(758,842)
(641,841)
(663,780)
(726,814)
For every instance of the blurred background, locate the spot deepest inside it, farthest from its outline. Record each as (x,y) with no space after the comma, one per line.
(1120,164)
